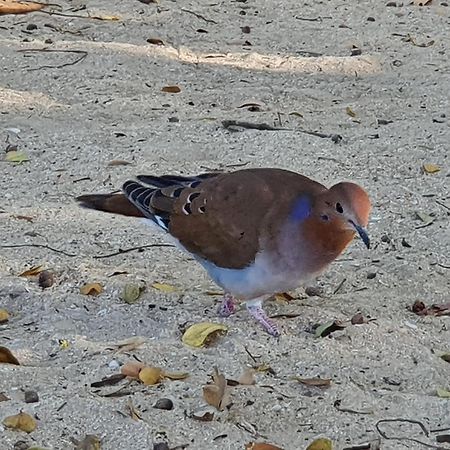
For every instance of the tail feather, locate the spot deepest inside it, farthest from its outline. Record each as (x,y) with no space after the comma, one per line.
(112,203)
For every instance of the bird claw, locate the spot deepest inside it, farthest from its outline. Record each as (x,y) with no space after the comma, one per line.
(227,307)
(260,315)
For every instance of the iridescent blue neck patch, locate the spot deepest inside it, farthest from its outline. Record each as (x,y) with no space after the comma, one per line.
(301,209)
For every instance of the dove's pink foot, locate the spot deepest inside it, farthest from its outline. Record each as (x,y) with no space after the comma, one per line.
(254,307)
(227,307)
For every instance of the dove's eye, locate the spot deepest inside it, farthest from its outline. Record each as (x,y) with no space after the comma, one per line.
(339,208)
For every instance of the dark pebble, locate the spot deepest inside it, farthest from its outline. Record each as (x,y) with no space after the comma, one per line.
(164,403)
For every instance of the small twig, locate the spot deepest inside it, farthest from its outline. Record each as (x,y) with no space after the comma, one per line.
(444,267)
(249,354)
(336,138)
(76,16)
(337,405)
(443,205)
(397,438)
(41,246)
(229,124)
(312,19)
(83,54)
(339,286)
(365,446)
(132,249)
(199,16)
(438,430)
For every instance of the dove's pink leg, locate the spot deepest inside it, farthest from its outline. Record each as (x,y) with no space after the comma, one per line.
(254,307)
(227,307)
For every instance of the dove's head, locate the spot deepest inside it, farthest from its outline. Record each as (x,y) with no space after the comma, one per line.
(345,207)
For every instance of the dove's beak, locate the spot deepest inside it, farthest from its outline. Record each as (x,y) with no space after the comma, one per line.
(362,233)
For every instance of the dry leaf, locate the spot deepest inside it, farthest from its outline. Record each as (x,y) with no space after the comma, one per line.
(64,344)
(109,381)
(163,287)
(431,168)
(155,41)
(6,357)
(424,217)
(4,316)
(217,393)
(422,2)
(284,297)
(151,375)
(90,442)
(21,422)
(199,334)
(108,18)
(175,375)
(446,357)
(443,393)
(3,397)
(35,270)
(16,157)
(350,111)
(248,377)
(132,368)
(316,382)
(118,162)
(46,279)
(128,345)
(261,446)
(134,413)
(18,7)
(171,89)
(420,309)
(203,416)
(20,217)
(91,289)
(328,328)
(132,292)
(320,444)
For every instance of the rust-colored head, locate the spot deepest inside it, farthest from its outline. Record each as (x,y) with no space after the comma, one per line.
(345,206)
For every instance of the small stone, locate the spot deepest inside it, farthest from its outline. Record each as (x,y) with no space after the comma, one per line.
(114,365)
(386,239)
(31,26)
(46,279)
(245,29)
(21,445)
(164,403)
(371,275)
(31,397)
(313,291)
(371,19)
(174,119)
(48,41)
(161,446)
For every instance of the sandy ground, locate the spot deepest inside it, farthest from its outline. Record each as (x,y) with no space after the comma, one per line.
(74,120)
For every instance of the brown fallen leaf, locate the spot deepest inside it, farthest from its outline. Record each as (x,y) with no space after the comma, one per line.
(164,287)
(32,271)
(128,345)
(6,357)
(203,416)
(20,217)
(261,446)
(118,162)
(155,41)
(171,89)
(89,442)
(413,41)
(20,422)
(284,297)
(316,382)
(109,381)
(217,393)
(151,375)
(4,316)
(421,309)
(46,279)
(91,289)
(3,397)
(19,7)
(106,18)
(132,368)
(247,377)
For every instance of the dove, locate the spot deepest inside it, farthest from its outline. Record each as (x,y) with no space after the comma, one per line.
(256,232)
